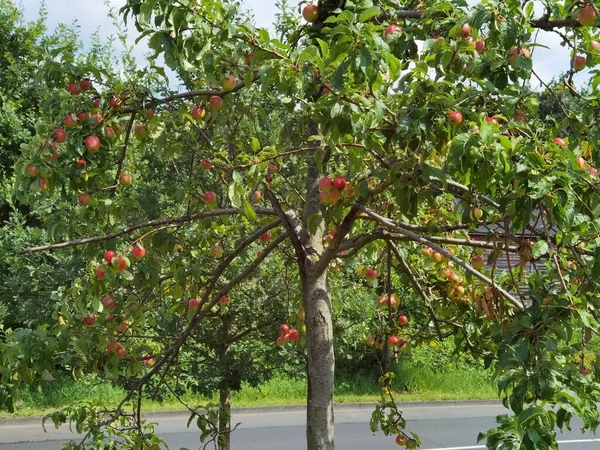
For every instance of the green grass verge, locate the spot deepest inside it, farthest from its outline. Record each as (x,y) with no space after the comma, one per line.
(412,384)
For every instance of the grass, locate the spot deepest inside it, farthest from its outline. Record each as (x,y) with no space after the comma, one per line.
(412,384)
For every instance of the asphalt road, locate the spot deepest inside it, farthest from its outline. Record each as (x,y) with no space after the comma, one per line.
(441,427)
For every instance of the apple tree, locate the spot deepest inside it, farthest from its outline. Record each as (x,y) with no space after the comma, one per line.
(404,137)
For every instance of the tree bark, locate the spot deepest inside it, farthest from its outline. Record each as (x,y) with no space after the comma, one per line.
(224,440)
(321,363)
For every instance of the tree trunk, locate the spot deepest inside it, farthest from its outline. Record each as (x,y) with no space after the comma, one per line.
(321,363)
(225,388)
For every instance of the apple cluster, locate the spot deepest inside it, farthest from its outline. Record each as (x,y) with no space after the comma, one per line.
(331,190)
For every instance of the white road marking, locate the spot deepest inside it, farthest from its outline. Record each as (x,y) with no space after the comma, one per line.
(477,447)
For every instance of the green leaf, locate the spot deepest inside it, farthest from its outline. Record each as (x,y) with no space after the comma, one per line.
(540,249)
(369,13)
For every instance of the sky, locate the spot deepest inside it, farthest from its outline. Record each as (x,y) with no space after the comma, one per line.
(91,15)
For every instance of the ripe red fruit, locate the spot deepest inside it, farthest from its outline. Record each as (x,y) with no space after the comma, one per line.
(515,53)
(595,46)
(121,351)
(465,31)
(437,257)
(427,251)
(69,121)
(401,440)
(590,169)
(281,341)
(255,197)
(477,262)
(228,83)
(284,327)
(114,102)
(390,29)
(587,15)
(224,300)
(403,320)
(249,58)
(149,113)
(60,136)
(108,256)
(393,341)
(81,162)
(96,103)
(269,178)
(259,254)
(265,237)
(581,163)
(73,88)
(206,164)
(210,197)
(216,102)
(89,320)
(122,327)
(50,153)
(138,252)
(112,346)
(43,184)
(332,197)
(325,184)
(121,263)
(92,144)
(272,169)
(193,303)
(85,85)
(84,199)
(198,112)
(149,362)
(140,131)
(32,170)
(455,117)
(578,63)
(492,120)
(82,116)
(100,273)
(108,302)
(110,133)
(480,46)
(560,141)
(327,89)
(125,179)
(310,13)
(371,274)
(339,183)
(293,335)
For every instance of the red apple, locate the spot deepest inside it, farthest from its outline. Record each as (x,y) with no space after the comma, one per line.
(92,144)
(390,29)
(150,113)
(121,351)
(478,262)
(43,185)
(73,88)
(393,341)
(122,327)
(198,112)
(249,58)
(492,120)
(89,320)
(592,170)
(100,273)
(121,263)
(96,103)
(138,252)
(114,102)
(480,46)
(85,85)
(339,183)
(587,15)
(327,89)
(206,164)
(310,13)
(193,304)
(281,341)
(217,251)
(69,121)
(140,131)
(255,197)
(110,133)
(403,320)
(112,346)
(108,302)
(581,163)
(60,136)
(455,117)
(401,439)
(332,197)
(32,170)
(465,31)
(84,199)
(515,53)
(325,184)
(268,178)
(81,162)
(265,237)
(427,251)
(50,151)
(210,197)
(437,257)
(578,63)
(293,335)
(371,274)
(216,102)
(272,169)
(149,362)
(125,179)
(228,83)
(108,256)
(560,141)
(82,116)
(224,300)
